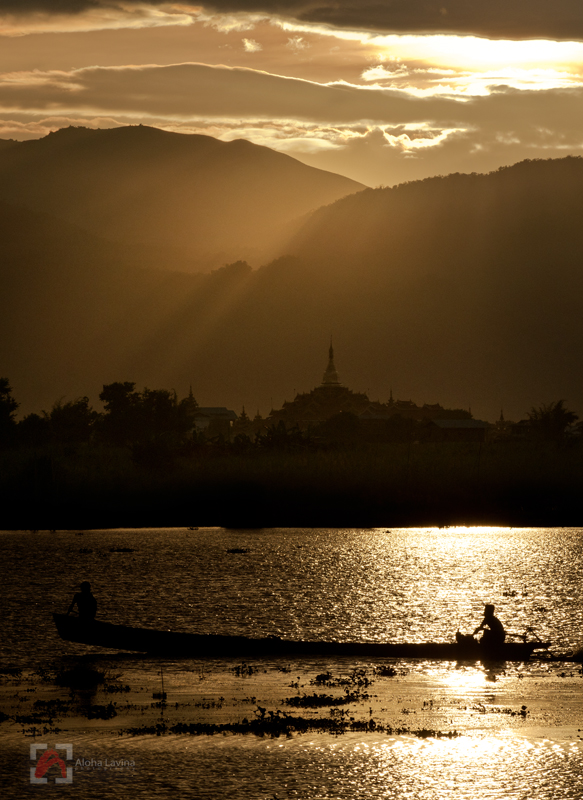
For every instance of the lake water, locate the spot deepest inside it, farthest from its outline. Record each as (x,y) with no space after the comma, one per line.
(376,585)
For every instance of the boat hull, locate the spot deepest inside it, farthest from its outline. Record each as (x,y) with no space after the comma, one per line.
(169,643)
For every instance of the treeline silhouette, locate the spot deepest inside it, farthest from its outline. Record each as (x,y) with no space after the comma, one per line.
(153,425)
(155,420)
(130,417)
(142,463)
(156,416)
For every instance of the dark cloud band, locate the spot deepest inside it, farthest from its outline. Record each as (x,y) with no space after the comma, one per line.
(52,7)
(509,19)
(512,19)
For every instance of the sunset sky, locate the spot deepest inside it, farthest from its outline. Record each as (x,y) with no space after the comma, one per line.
(382,92)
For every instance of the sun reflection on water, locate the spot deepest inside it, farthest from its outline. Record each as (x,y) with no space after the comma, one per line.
(384,585)
(469,768)
(467,681)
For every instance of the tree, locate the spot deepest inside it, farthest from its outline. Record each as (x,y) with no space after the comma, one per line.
(34,430)
(551,420)
(121,421)
(72,422)
(8,406)
(278,437)
(163,417)
(242,424)
(152,415)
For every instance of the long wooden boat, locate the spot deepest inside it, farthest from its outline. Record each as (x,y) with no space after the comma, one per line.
(144,640)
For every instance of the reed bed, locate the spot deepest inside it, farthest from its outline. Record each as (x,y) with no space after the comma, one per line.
(531,483)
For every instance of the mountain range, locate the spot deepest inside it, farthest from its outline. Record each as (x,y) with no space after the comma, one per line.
(463,289)
(177,201)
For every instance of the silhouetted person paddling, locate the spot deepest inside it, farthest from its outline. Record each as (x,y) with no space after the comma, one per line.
(85,602)
(494,633)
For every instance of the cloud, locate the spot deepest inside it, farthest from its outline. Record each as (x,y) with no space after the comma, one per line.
(375,159)
(506,19)
(229,23)
(194,90)
(376,135)
(48,6)
(381,73)
(26,17)
(26,129)
(297,43)
(199,90)
(251,46)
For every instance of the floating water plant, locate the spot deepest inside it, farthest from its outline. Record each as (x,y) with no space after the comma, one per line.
(386,671)
(358,677)
(100,712)
(211,703)
(278,723)
(320,700)
(80,677)
(114,688)
(10,672)
(244,670)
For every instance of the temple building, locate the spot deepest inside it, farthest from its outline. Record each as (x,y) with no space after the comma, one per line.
(354,411)
(214,421)
(331,376)
(331,397)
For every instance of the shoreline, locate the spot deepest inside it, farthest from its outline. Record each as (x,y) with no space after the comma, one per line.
(237,507)
(391,485)
(133,518)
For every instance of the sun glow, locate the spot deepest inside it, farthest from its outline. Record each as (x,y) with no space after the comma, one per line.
(473,53)
(459,67)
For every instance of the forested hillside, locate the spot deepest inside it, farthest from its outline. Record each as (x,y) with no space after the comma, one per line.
(463,290)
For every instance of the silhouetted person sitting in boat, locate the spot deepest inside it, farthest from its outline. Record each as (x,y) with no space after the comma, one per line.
(494,633)
(85,602)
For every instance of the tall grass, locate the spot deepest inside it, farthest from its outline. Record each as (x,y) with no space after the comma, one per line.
(369,484)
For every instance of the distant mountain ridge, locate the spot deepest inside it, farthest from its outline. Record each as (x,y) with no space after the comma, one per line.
(530,199)
(193,201)
(464,290)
